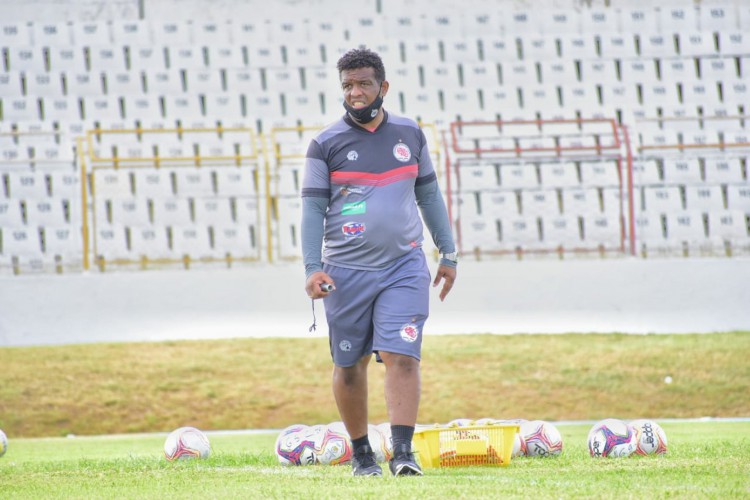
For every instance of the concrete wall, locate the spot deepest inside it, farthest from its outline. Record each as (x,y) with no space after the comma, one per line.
(612,295)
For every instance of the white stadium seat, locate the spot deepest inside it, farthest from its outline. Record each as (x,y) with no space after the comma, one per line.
(91,33)
(561,231)
(520,232)
(682,171)
(172,211)
(497,204)
(602,229)
(542,202)
(49,212)
(149,58)
(192,241)
(730,225)
(518,176)
(580,201)
(238,240)
(150,242)
(67,58)
(17,241)
(65,242)
(738,197)
(704,198)
(678,19)
(686,227)
(213,211)
(721,170)
(129,212)
(11,214)
(662,199)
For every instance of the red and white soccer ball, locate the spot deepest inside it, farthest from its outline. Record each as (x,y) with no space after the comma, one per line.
(185,443)
(540,439)
(650,437)
(294,446)
(3,443)
(385,432)
(612,437)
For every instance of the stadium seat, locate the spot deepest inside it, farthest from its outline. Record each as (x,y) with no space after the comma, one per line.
(128,212)
(65,242)
(235,181)
(111,58)
(642,70)
(91,33)
(580,201)
(326,30)
(716,17)
(542,202)
(11,214)
(463,50)
(110,242)
(25,58)
(208,33)
(478,234)
(662,199)
(264,55)
(240,240)
(24,185)
(733,42)
(46,212)
(110,183)
(15,34)
(442,76)
(518,176)
(618,46)
(421,51)
(561,231)
(247,211)
(520,232)
(539,47)
(193,241)
(169,33)
(212,211)
(521,73)
(150,242)
(602,230)
(477,176)
(499,49)
(67,59)
(246,80)
(494,204)
(597,20)
(559,72)
(21,241)
(302,53)
(599,174)
(521,22)
(81,84)
(682,171)
(480,22)
(225,57)
(640,19)
(172,211)
(686,227)
(123,83)
(150,59)
(730,226)
(559,175)
(723,170)
(185,57)
(44,84)
(737,92)
(289,211)
(738,197)
(704,198)
(696,44)
(560,21)
(126,32)
(11,84)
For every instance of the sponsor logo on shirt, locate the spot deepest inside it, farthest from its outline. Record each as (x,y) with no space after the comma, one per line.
(353,229)
(402,152)
(347,190)
(409,332)
(354,208)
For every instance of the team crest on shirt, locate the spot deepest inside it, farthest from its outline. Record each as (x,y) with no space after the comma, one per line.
(353,229)
(352,155)
(409,332)
(402,152)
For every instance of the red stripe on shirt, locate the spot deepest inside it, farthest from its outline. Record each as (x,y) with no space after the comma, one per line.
(369,179)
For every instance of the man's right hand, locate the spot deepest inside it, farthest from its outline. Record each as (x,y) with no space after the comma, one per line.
(312,285)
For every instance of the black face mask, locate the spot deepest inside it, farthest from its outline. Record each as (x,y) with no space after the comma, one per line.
(366,114)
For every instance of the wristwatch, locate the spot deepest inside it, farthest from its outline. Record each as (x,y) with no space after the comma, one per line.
(453,256)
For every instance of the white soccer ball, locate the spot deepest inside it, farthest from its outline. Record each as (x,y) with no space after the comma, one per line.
(460,422)
(295,445)
(651,438)
(385,431)
(3,443)
(540,439)
(379,443)
(334,446)
(612,437)
(186,442)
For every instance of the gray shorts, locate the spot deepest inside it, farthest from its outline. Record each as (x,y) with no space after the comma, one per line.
(383,310)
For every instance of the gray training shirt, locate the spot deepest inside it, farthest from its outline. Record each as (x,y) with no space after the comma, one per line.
(363,188)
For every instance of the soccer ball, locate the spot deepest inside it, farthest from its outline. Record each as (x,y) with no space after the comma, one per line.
(385,431)
(379,443)
(3,443)
(334,446)
(651,438)
(460,422)
(540,439)
(612,437)
(295,445)
(186,442)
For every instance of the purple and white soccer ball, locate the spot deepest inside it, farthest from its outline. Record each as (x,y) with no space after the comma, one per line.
(294,446)
(612,437)
(185,443)
(540,439)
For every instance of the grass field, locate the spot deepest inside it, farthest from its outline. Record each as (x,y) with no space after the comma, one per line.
(120,400)
(705,460)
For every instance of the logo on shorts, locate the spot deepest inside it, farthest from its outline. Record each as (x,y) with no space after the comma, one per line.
(353,229)
(402,152)
(345,345)
(409,332)
(352,155)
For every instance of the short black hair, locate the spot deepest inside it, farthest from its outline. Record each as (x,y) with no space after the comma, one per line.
(362,58)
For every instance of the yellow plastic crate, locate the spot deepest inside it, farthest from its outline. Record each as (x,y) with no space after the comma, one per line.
(465,446)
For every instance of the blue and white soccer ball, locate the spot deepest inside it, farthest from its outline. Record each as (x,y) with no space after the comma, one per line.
(3,443)
(540,439)
(651,438)
(295,446)
(612,437)
(185,443)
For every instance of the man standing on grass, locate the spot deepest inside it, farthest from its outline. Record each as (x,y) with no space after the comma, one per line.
(365,176)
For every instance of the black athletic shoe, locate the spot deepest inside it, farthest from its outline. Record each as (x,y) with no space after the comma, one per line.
(403,463)
(364,464)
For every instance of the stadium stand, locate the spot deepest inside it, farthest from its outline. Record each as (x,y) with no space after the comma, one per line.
(620,129)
